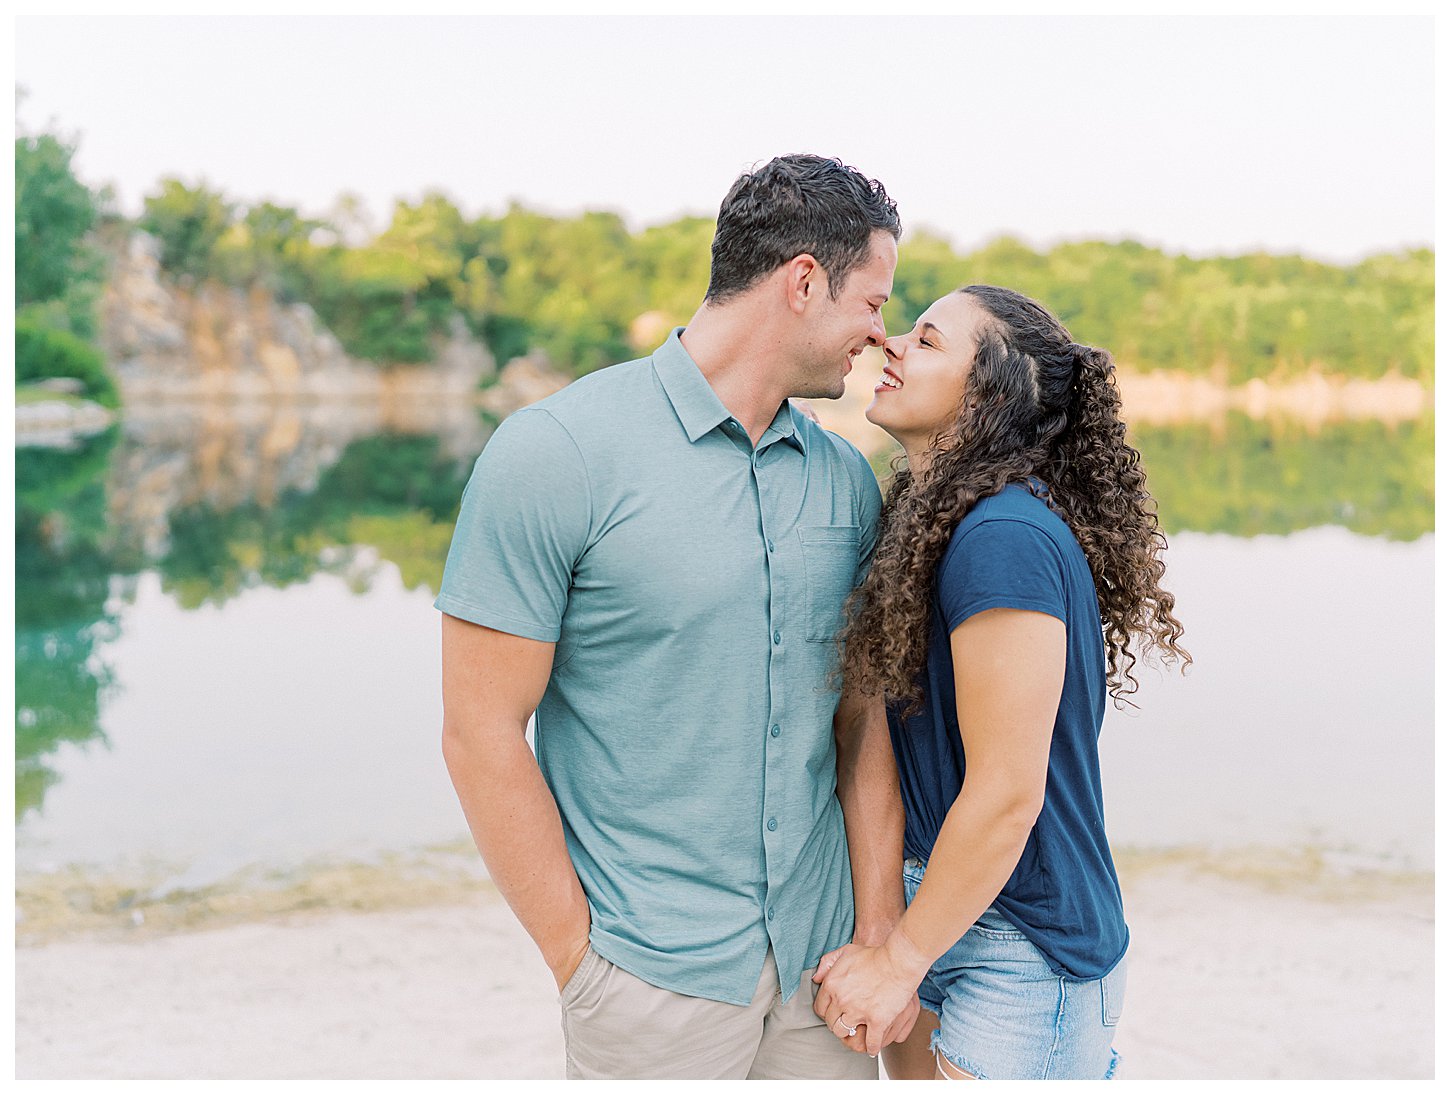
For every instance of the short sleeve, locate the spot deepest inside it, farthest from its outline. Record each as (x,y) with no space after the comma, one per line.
(1002,564)
(523,524)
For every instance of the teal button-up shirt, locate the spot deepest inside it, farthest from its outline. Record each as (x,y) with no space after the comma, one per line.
(693,586)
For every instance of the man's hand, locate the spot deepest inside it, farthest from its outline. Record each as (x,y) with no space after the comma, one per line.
(563,966)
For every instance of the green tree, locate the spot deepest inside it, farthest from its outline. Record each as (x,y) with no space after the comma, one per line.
(189,222)
(42,352)
(57,271)
(269,245)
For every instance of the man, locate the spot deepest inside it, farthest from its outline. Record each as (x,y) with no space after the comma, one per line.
(655,559)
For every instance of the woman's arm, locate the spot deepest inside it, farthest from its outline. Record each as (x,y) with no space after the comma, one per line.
(1008,667)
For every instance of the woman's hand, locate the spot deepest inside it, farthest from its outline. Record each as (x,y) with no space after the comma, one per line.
(870,989)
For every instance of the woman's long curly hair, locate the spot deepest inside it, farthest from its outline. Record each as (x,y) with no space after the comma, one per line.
(1035,405)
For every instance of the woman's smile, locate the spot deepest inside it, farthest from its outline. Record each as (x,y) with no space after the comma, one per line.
(889,381)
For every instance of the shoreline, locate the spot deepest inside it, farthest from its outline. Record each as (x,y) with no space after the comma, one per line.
(76,904)
(1324,975)
(1162,397)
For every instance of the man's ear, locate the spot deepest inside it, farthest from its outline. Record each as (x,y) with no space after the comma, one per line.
(802,280)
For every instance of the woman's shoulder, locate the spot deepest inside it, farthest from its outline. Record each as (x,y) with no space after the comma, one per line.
(1019,503)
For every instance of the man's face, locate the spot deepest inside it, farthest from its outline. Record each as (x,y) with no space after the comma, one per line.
(841,328)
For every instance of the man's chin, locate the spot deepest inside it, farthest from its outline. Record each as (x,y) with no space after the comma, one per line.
(834,392)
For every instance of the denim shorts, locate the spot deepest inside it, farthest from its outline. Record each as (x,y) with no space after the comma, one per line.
(1006,1016)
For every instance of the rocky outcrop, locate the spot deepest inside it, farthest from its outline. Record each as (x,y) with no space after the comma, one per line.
(58,423)
(166,342)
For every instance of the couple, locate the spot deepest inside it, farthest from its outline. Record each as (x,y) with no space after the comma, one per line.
(674,568)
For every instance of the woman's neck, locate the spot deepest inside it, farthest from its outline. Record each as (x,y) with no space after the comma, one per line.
(919,454)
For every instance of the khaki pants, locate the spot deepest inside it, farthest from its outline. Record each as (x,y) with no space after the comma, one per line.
(619,1027)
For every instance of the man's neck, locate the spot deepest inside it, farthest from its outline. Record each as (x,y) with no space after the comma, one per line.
(743,358)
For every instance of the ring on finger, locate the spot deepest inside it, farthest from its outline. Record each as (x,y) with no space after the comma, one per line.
(850,1030)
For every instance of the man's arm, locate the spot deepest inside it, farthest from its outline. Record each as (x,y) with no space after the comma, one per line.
(492,682)
(870,798)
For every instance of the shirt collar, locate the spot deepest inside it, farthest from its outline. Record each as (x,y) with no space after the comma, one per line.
(698,407)
(783,428)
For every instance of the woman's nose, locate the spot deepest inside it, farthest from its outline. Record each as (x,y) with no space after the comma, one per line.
(893,347)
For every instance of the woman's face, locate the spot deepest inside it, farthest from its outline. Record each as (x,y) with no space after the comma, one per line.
(920,391)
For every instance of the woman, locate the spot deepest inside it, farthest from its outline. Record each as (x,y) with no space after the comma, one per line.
(1017,544)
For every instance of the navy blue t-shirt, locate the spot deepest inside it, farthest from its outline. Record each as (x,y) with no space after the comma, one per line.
(1012,551)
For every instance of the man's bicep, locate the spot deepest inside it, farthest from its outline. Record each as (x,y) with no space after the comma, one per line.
(491,679)
(523,525)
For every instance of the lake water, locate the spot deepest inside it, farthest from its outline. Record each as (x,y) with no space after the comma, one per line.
(227,655)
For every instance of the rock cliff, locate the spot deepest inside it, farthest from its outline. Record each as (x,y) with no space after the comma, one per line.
(166,342)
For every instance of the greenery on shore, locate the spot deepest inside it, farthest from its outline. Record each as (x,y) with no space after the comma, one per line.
(574,287)
(58,269)
(586,291)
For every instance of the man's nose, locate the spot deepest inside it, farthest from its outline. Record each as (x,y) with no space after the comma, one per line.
(878,331)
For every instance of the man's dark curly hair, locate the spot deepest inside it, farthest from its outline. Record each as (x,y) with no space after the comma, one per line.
(798,204)
(1036,405)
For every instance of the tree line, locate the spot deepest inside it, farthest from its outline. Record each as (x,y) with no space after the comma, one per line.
(586,290)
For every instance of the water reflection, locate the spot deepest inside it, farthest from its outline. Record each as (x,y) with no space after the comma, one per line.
(172,516)
(213,504)
(62,567)
(1249,477)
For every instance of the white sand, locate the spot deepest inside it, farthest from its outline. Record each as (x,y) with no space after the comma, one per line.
(1229,980)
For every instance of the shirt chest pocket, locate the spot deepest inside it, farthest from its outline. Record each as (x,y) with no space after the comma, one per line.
(831,553)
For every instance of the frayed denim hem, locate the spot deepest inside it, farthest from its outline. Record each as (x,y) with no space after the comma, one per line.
(1112,1066)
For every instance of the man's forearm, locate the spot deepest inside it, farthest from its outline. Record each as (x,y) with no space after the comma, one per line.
(515,823)
(866,784)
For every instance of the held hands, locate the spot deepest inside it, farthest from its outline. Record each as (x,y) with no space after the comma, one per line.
(868,995)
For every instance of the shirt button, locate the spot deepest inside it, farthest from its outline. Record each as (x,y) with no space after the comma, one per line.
(771,825)
(769,545)
(770,914)
(775,730)
(775,638)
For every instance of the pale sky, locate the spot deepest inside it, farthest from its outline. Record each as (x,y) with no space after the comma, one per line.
(1205,135)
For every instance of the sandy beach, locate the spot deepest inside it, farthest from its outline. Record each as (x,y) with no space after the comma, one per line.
(1267,970)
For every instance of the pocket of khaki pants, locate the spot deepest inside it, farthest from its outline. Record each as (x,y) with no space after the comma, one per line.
(581,978)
